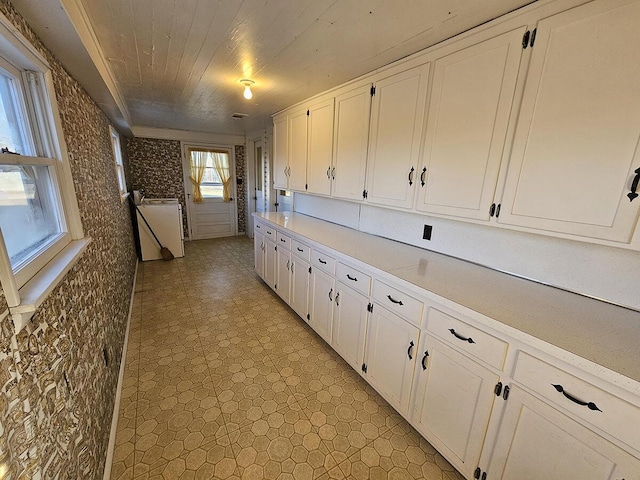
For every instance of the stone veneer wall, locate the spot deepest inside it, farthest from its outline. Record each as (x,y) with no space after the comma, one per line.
(241,168)
(56,389)
(156,169)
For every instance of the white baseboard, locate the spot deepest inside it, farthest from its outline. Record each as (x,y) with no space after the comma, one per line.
(116,403)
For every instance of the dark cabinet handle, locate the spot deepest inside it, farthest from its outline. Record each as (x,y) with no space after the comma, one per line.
(299,249)
(288,261)
(424,360)
(393,300)
(411,176)
(329,173)
(589,405)
(634,186)
(409,350)
(355,279)
(338,299)
(331,294)
(258,227)
(460,337)
(477,473)
(283,240)
(333,173)
(424,172)
(322,261)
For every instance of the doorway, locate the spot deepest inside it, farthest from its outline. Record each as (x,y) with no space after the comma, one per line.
(211,216)
(258,183)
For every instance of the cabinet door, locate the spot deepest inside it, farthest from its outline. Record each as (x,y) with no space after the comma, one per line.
(471,97)
(396,128)
(536,441)
(320,131)
(300,286)
(321,308)
(453,400)
(349,325)
(280,152)
(576,143)
(270,263)
(258,253)
(351,136)
(283,280)
(392,347)
(298,150)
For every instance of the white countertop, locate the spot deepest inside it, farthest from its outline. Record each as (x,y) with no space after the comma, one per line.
(602,333)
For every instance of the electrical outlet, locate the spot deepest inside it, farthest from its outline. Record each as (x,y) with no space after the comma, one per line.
(426,234)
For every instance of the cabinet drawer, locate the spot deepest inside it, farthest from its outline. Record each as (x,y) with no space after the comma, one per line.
(354,278)
(259,228)
(283,241)
(399,302)
(269,233)
(323,262)
(595,406)
(300,250)
(468,339)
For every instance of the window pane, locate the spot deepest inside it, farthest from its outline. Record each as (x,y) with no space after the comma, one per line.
(211,191)
(27,211)
(211,176)
(10,129)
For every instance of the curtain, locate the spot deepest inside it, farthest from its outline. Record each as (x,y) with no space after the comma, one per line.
(198,164)
(221,164)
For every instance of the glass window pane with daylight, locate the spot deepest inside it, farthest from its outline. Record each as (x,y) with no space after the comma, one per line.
(12,122)
(211,186)
(28,211)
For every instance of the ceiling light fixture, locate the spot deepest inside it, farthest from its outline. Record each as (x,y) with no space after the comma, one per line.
(248,94)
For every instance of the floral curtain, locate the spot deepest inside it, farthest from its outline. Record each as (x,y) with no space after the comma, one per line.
(198,164)
(221,164)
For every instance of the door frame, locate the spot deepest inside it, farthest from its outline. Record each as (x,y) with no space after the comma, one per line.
(251,175)
(184,147)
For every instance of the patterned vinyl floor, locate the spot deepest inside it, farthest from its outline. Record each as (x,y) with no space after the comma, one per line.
(223,380)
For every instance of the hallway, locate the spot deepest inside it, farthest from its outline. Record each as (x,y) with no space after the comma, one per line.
(223,380)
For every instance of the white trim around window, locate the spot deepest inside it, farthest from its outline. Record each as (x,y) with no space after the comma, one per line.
(119,164)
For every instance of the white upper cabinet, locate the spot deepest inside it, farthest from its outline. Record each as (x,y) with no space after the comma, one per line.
(280,152)
(351,137)
(320,140)
(396,126)
(298,149)
(576,143)
(471,97)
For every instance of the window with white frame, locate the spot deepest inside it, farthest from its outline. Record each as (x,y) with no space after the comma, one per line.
(38,208)
(117,157)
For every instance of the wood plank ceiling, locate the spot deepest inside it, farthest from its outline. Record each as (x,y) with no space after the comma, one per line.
(177,62)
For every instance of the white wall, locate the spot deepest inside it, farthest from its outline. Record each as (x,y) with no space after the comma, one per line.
(607,273)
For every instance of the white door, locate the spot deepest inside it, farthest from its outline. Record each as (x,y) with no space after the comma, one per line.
(535,441)
(576,143)
(320,131)
(351,137)
(391,351)
(453,401)
(213,217)
(321,305)
(396,129)
(469,108)
(349,325)
(300,286)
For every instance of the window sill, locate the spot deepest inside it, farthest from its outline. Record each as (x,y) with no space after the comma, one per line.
(36,290)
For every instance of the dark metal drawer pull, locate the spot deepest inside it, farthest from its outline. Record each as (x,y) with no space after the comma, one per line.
(424,360)
(634,186)
(393,300)
(409,350)
(355,279)
(322,261)
(283,240)
(299,249)
(460,337)
(589,405)
(331,294)
(338,299)
(411,176)
(424,172)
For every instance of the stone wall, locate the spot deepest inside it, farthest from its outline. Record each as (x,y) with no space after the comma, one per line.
(58,376)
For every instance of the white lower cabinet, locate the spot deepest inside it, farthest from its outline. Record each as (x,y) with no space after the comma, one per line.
(321,293)
(350,315)
(258,252)
(536,441)
(453,399)
(391,350)
(283,283)
(299,299)
(270,263)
